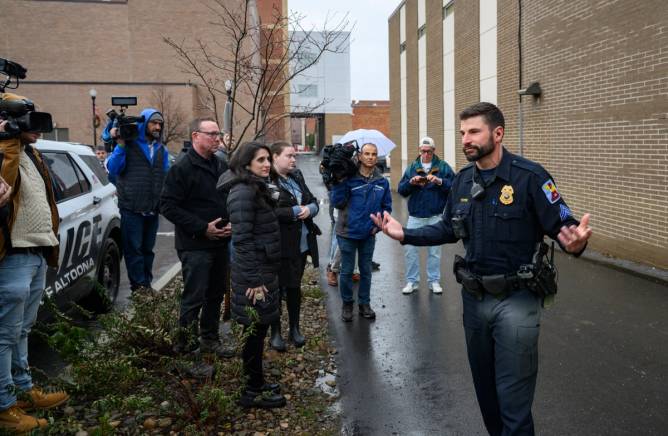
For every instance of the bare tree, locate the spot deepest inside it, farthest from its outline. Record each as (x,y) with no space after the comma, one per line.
(259,58)
(175,120)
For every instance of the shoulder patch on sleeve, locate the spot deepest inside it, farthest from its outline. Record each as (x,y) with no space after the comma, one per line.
(564,212)
(550,191)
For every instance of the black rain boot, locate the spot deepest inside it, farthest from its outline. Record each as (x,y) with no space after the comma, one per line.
(294,301)
(276,341)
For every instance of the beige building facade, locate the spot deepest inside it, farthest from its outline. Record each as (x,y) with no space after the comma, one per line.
(600,125)
(116,47)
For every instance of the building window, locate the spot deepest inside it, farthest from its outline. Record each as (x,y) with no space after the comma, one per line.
(58,134)
(307,90)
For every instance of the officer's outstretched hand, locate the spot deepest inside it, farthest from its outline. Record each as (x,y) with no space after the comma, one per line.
(390,226)
(573,238)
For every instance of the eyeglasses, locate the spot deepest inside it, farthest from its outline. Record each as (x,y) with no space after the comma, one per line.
(212,134)
(426,151)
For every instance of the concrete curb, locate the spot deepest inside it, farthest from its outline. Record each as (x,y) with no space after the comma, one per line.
(651,273)
(167,277)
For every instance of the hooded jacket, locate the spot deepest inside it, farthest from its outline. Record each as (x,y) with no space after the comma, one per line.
(358,197)
(139,178)
(428,200)
(256,240)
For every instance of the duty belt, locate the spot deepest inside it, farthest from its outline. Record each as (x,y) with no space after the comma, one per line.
(497,285)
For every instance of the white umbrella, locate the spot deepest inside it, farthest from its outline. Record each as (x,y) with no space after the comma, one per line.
(364,136)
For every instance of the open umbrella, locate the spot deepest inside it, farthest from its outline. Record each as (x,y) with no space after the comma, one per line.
(364,136)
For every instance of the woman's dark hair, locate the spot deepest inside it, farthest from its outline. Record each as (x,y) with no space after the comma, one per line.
(241,160)
(242,157)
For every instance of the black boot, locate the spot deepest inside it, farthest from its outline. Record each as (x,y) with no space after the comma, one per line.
(276,341)
(294,301)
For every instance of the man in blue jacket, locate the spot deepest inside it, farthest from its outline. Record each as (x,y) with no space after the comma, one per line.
(138,168)
(365,193)
(426,183)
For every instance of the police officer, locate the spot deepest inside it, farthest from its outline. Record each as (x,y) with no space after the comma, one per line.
(501,205)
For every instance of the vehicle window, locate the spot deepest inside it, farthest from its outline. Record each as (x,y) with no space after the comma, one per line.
(96,167)
(85,183)
(63,175)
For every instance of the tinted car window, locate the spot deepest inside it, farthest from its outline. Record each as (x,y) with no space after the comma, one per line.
(63,175)
(96,167)
(85,183)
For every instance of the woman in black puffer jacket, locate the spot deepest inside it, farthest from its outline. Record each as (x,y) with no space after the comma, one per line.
(255,263)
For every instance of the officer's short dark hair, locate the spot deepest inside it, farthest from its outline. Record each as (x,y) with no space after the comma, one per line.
(491,114)
(197,123)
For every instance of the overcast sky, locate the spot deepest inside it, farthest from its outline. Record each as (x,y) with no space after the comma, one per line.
(368,51)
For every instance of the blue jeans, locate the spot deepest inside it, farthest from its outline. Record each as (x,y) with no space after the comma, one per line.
(412,253)
(364,249)
(22,280)
(502,345)
(138,233)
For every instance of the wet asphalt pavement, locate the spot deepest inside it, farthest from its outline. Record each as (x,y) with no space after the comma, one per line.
(603,349)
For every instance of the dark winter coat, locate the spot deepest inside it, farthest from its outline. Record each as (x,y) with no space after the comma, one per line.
(291,229)
(191,201)
(256,241)
(427,200)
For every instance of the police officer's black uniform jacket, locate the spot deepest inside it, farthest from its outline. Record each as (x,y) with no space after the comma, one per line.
(519,206)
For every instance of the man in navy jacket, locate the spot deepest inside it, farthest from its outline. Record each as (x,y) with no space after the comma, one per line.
(365,193)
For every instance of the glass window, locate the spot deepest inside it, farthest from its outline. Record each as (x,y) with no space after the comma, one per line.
(97,167)
(307,90)
(63,176)
(83,181)
(57,134)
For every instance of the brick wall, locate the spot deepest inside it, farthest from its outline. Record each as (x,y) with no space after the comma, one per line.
(372,114)
(467,60)
(434,35)
(601,125)
(97,43)
(337,124)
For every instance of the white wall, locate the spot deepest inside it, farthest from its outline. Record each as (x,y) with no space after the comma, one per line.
(331,76)
(449,121)
(404,80)
(488,52)
(422,75)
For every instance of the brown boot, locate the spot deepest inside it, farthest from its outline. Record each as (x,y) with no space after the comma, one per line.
(332,280)
(38,399)
(17,420)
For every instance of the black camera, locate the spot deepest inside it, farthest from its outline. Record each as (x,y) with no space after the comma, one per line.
(128,128)
(337,162)
(20,114)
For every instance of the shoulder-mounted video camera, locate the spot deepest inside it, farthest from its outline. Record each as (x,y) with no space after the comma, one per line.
(128,128)
(20,114)
(337,162)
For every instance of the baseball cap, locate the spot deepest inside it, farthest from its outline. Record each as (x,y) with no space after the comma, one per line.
(427,141)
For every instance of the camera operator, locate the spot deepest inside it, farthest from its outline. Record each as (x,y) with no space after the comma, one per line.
(138,168)
(357,197)
(28,243)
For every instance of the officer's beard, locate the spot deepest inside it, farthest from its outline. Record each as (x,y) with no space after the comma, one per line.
(480,151)
(154,135)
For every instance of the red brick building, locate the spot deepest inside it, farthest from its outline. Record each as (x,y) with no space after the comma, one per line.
(115,47)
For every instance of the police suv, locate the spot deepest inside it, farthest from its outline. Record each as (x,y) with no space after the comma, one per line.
(90,227)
